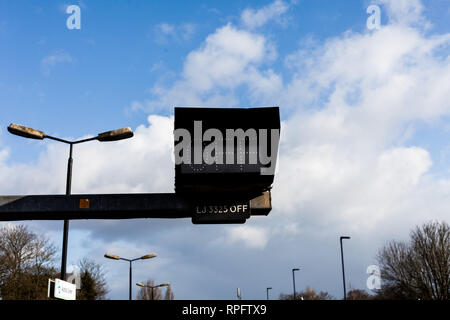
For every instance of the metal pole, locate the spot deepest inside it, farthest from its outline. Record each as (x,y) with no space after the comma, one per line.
(66,222)
(152,293)
(343,270)
(268,293)
(130,279)
(293,281)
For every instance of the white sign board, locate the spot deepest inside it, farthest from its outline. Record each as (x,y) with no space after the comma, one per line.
(65,290)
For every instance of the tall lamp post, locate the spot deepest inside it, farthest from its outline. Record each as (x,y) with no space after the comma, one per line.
(293,279)
(342,259)
(140,284)
(114,257)
(267,292)
(31,133)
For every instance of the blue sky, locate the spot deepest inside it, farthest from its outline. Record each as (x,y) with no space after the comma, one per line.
(364,146)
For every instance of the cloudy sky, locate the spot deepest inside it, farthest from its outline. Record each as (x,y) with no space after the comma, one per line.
(364,151)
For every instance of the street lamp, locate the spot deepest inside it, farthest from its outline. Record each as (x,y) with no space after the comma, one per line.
(342,259)
(114,257)
(293,278)
(140,284)
(267,291)
(26,132)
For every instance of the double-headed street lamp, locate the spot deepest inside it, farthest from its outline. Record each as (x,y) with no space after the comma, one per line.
(293,278)
(140,284)
(114,257)
(342,258)
(31,133)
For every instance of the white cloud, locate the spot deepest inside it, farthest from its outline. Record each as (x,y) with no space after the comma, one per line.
(405,12)
(51,61)
(228,59)
(187,30)
(352,102)
(225,55)
(335,189)
(140,164)
(165,32)
(166,29)
(136,106)
(249,236)
(252,18)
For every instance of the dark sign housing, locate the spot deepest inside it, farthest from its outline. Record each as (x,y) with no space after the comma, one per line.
(243,143)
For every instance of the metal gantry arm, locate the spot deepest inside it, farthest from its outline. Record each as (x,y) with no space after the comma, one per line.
(115,206)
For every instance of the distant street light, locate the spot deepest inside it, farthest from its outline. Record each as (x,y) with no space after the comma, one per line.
(267,291)
(114,257)
(140,284)
(293,278)
(31,133)
(342,258)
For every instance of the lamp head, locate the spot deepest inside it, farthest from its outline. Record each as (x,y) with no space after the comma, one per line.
(115,135)
(148,256)
(112,256)
(25,132)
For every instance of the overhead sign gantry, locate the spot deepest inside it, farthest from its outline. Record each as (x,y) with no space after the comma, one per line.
(225,162)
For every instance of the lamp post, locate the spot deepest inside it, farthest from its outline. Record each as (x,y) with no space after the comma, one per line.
(293,278)
(342,259)
(267,292)
(31,133)
(140,284)
(114,257)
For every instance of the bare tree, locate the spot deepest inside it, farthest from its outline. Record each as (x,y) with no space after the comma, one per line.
(307,294)
(26,262)
(357,294)
(420,268)
(169,294)
(93,283)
